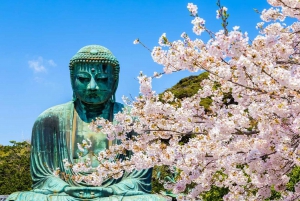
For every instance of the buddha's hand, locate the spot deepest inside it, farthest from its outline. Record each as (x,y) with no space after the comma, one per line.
(88,192)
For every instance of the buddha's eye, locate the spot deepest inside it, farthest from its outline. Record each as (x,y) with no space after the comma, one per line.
(101,78)
(83,78)
(104,68)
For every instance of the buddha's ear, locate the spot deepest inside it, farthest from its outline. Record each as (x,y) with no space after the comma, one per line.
(115,89)
(71,78)
(71,67)
(74,97)
(116,71)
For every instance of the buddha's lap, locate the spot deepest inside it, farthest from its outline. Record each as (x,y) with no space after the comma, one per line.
(33,196)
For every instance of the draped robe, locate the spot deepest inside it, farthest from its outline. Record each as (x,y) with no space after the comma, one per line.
(52,143)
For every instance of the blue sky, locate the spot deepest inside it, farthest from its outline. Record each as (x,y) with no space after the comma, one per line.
(38,38)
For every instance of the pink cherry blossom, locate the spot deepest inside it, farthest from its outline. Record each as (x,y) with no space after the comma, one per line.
(247,147)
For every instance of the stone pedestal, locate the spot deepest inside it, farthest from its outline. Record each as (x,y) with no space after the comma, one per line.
(3,197)
(32,196)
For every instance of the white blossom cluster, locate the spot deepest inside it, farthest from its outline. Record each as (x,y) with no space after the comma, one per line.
(248,147)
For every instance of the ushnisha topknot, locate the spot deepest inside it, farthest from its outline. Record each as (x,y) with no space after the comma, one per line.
(95,54)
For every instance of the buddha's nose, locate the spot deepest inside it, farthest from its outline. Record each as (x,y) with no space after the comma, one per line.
(92,85)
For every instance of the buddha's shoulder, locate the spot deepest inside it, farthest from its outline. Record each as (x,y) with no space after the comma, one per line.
(57,110)
(118,107)
(66,109)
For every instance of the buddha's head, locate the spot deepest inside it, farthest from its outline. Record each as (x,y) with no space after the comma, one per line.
(94,74)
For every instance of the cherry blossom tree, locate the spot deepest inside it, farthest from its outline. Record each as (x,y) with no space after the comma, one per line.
(249,147)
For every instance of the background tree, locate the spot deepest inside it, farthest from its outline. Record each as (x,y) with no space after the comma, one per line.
(14,168)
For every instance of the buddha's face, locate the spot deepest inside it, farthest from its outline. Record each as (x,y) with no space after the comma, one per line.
(93,83)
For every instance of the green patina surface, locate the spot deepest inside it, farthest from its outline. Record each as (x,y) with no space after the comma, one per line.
(94,77)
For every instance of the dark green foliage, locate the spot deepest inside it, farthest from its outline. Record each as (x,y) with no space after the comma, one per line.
(185,139)
(160,173)
(188,86)
(294,178)
(206,102)
(215,194)
(15,168)
(274,195)
(157,186)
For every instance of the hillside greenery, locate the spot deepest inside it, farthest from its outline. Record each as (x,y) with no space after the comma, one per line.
(15,168)
(188,86)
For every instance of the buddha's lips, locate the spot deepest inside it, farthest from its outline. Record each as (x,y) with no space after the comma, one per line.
(94,94)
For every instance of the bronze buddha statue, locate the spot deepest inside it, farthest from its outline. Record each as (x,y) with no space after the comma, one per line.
(94,74)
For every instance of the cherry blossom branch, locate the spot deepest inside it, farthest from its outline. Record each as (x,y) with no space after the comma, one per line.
(172,131)
(222,12)
(239,132)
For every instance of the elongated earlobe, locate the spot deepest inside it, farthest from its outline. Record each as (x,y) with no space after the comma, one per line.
(74,97)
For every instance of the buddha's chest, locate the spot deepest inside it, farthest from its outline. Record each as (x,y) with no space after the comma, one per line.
(99,142)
